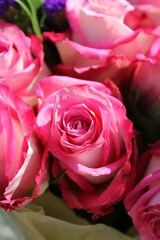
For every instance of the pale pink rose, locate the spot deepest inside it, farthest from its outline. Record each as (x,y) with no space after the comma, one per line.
(98,38)
(91,21)
(21,61)
(86,129)
(143,202)
(23,165)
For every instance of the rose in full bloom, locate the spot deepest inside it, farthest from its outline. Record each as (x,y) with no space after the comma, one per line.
(23,159)
(86,129)
(21,61)
(143,202)
(99,43)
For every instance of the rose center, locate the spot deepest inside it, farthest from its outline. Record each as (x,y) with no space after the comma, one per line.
(78,125)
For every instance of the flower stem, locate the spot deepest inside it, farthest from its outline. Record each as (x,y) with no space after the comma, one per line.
(31,11)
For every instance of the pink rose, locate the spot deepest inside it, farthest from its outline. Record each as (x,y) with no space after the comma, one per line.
(86,129)
(143,202)
(146,78)
(144,97)
(99,41)
(23,163)
(21,61)
(106,17)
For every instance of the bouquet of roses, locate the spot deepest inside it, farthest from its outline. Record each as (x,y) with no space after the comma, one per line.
(80,113)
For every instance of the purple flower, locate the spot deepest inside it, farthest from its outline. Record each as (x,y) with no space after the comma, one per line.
(53,6)
(3,7)
(11,2)
(4,4)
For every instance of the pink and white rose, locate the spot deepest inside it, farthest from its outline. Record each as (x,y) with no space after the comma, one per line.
(86,129)
(23,159)
(21,61)
(143,202)
(99,41)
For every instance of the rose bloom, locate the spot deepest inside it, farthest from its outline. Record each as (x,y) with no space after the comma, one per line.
(99,43)
(21,61)
(23,159)
(86,129)
(143,202)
